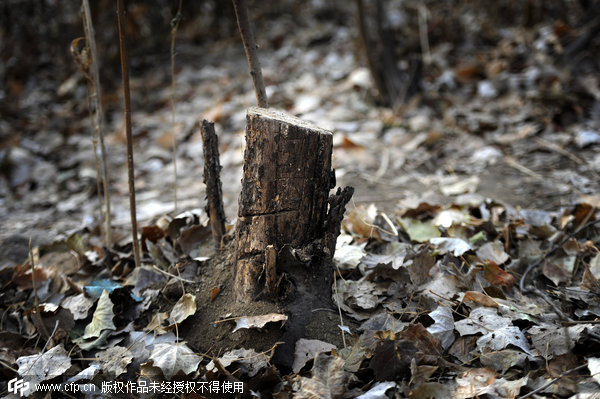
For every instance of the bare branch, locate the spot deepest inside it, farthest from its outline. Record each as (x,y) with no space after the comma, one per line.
(241,14)
(127,114)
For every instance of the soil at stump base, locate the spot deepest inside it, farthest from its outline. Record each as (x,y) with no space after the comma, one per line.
(207,334)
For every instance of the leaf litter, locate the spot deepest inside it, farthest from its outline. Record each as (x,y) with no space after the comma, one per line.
(450,291)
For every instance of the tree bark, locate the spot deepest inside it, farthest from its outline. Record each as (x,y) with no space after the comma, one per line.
(285,191)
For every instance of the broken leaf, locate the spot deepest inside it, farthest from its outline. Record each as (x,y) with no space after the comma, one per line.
(328,379)
(156,324)
(307,349)
(113,361)
(79,305)
(348,255)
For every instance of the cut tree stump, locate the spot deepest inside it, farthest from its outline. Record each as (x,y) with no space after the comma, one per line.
(284,198)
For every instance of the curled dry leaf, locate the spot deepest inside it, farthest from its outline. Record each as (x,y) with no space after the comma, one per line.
(214,292)
(258,321)
(184,308)
(248,361)
(480,298)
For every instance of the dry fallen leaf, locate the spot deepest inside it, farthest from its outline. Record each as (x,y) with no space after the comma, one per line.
(480,298)
(184,308)
(214,292)
(307,349)
(113,361)
(102,318)
(258,321)
(79,305)
(328,379)
(44,366)
(172,358)
(247,361)
(495,275)
(443,326)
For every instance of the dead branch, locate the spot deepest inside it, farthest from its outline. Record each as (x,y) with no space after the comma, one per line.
(174,26)
(212,169)
(129,135)
(241,14)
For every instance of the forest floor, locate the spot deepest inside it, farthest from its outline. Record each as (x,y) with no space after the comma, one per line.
(489,174)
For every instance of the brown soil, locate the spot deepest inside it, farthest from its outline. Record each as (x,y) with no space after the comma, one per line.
(209,331)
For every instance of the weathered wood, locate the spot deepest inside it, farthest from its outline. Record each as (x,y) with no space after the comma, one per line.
(271,271)
(285,189)
(337,207)
(212,170)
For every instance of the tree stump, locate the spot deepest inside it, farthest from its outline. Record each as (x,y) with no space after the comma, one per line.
(285,191)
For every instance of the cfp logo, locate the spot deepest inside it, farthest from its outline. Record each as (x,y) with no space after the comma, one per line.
(18,386)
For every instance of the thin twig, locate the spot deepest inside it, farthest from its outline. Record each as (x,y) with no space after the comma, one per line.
(584,225)
(171,275)
(174,26)
(98,126)
(241,14)
(337,302)
(129,135)
(553,381)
